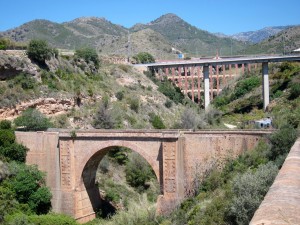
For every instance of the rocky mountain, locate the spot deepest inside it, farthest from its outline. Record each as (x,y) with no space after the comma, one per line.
(259,35)
(189,38)
(106,37)
(162,37)
(283,43)
(170,30)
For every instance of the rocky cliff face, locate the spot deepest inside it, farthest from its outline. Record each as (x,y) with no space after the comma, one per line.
(14,62)
(47,106)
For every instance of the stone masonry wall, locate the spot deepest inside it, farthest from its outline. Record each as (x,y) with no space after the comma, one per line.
(281,205)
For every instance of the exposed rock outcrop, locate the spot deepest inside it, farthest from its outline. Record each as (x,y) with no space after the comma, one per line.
(47,106)
(14,62)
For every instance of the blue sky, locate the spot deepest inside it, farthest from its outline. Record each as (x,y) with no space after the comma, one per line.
(226,16)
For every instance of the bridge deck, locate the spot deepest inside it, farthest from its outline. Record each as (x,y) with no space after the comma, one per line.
(223,61)
(153,133)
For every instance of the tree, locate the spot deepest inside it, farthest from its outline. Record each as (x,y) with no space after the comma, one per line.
(7,137)
(88,55)
(39,51)
(5,124)
(138,171)
(144,57)
(249,190)
(282,141)
(4,43)
(29,187)
(32,120)
(15,152)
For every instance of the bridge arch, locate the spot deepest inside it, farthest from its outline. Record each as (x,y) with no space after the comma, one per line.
(87,172)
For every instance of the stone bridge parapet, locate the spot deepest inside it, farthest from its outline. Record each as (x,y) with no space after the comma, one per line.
(281,205)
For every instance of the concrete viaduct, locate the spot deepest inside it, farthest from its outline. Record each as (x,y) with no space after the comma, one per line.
(188,74)
(176,156)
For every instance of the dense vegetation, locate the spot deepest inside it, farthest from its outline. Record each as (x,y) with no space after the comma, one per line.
(24,197)
(127,183)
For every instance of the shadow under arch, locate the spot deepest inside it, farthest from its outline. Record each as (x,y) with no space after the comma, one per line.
(88,175)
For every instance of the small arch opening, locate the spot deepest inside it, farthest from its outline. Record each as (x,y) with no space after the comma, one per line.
(117,176)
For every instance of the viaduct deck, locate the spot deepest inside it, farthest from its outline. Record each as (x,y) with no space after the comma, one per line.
(189,74)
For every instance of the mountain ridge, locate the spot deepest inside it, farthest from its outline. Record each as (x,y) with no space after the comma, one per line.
(110,38)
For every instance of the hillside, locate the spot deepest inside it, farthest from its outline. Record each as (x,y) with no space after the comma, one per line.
(189,38)
(74,94)
(259,35)
(284,42)
(71,92)
(109,38)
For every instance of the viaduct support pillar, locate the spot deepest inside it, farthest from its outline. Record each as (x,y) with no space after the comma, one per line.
(265,78)
(206,86)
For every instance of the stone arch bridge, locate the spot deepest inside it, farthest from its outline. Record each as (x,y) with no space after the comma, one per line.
(71,161)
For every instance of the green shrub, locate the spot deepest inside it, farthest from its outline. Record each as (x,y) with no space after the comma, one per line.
(32,120)
(278,94)
(40,200)
(156,122)
(49,219)
(149,88)
(5,124)
(28,185)
(245,86)
(172,92)
(138,171)
(103,118)
(61,121)
(168,103)
(7,137)
(5,43)
(88,55)
(119,154)
(282,141)
(39,51)
(125,68)
(249,190)
(221,101)
(26,81)
(213,116)
(295,91)
(191,120)
(15,152)
(134,104)
(120,95)
(144,57)
(8,203)
(113,196)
